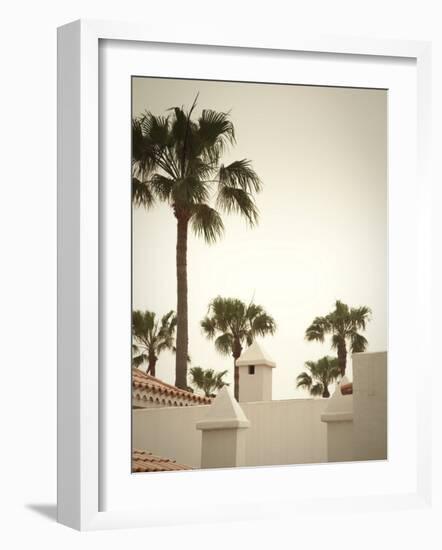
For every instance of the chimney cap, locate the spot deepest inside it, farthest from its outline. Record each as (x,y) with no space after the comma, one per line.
(255,355)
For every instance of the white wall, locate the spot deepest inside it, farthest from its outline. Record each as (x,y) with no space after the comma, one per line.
(286,431)
(170,432)
(255,387)
(340,441)
(281,432)
(370,406)
(357,424)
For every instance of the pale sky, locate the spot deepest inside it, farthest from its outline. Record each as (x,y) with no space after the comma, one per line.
(321,154)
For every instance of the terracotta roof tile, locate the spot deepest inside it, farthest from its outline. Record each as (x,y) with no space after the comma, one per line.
(143,461)
(347,389)
(143,381)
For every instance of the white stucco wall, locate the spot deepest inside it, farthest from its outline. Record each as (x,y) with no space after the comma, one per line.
(370,406)
(281,432)
(170,432)
(223,448)
(286,431)
(255,387)
(340,441)
(357,424)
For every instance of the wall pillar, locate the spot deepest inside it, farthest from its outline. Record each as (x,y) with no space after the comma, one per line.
(223,433)
(339,419)
(370,405)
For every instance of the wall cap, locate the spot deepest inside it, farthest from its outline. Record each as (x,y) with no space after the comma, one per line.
(337,417)
(222,424)
(224,413)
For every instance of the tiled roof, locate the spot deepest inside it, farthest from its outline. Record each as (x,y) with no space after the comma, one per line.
(143,461)
(143,381)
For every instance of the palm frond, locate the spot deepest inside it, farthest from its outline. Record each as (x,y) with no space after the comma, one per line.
(215,133)
(219,382)
(313,368)
(183,131)
(262,324)
(162,186)
(360,316)
(232,316)
(178,127)
(190,191)
(208,325)
(341,309)
(135,349)
(138,142)
(358,343)
(139,360)
(327,369)
(317,330)
(201,169)
(224,343)
(319,375)
(142,321)
(206,222)
(197,375)
(207,380)
(343,323)
(221,313)
(169,321)
(337,340)
(233,199)
(155,129)
(150,336)
(304,380)
(176,160)
(240,175)
(317,389)
(142,194)
(147,152)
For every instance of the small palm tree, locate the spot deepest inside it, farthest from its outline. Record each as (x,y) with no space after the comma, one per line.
(150,337)
(236,324)
(343,324)
(207,380)
(177,160)
(320,374)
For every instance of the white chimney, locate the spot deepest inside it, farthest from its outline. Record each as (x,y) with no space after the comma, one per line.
(255,374)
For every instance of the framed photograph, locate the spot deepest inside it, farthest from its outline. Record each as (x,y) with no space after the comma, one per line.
(240,227)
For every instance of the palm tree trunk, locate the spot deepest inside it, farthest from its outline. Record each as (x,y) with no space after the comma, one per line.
(342,357)
(236,355)
(236,380)
(325,393)
(151,367)
(182,339)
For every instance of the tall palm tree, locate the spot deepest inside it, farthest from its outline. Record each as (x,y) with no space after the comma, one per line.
(319,375)
(150,337)
(343,323)
(207,380)
(177,160)
(236,324)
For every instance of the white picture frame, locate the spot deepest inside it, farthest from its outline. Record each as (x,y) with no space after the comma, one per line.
(79,437)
